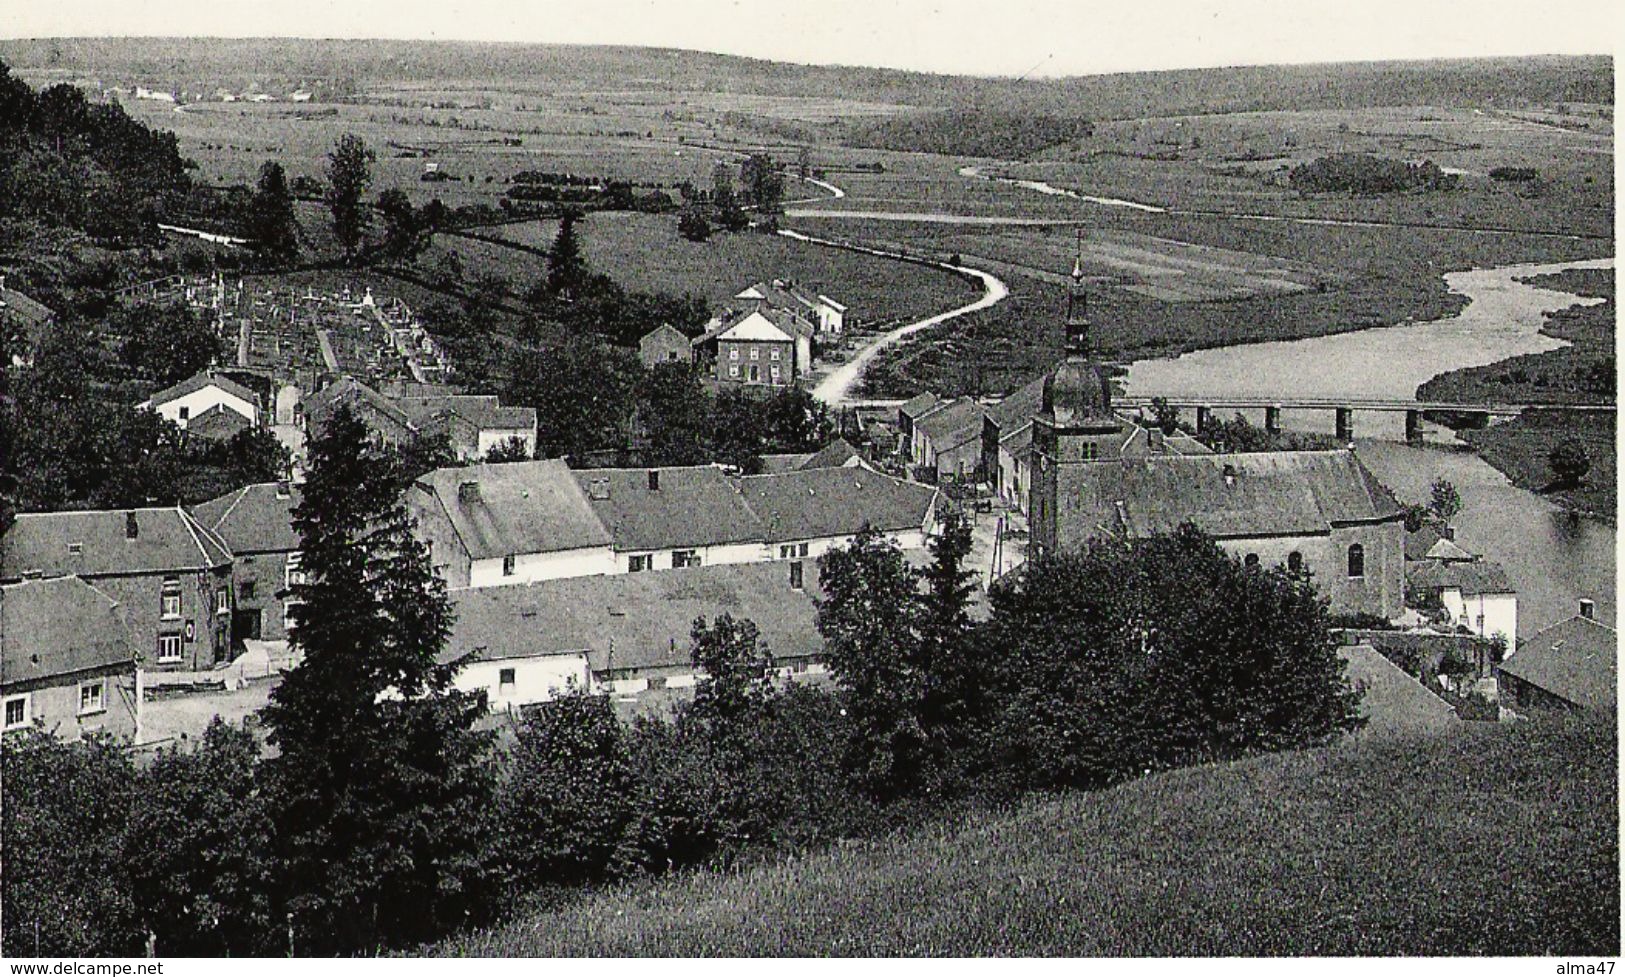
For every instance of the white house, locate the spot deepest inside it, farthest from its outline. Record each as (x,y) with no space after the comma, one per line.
(1475,593)
(671,518)
(824,312)
(200,392)
(806,513)
(501,524)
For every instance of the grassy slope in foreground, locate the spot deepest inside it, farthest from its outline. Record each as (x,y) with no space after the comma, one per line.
(1495,840)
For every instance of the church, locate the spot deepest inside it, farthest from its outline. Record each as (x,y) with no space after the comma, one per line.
(1097,475)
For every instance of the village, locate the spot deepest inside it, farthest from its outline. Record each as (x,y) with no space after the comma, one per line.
(541,558)
(489,499)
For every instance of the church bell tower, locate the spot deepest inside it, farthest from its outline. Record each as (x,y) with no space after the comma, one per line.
(1075,426)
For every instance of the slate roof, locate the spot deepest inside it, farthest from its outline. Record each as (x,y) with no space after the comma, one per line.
(821,502)
(836,454)
(952,423)
(776,464)
(696,506)
(1271,493)
(483,411)
(524,507)
(218,422)
(254,519)
(167,539)
(917,405)
(324,401)
(59,627)
(1446,549)
(1418,543)
(786,294)
(1019,407)
(199,381)
(636,620)
(1576,660)
(1393,702)
(1471,577)
(24,309)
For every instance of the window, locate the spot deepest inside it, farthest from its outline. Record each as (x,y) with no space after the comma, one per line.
(657,682)
(1294,562)
(169,603)
(294,575)
(222,600)
(507,565)
(1090,451)
(797,575)
(755,353)
(684,558)
(505,679)
(169,647)
(775,373)
(801,550)
(93,697)
(774,355)
(1356,560)
(640,562)
(671,356)
(787,551)
(245,590)
(186,412)
(755,373)
(16,711)
(733,352)
(733,371)
(1250,561)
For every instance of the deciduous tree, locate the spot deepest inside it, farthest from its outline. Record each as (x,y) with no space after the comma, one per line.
(349,172)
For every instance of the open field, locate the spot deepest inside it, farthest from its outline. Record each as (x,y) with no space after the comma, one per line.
(644,252)
(1382,847)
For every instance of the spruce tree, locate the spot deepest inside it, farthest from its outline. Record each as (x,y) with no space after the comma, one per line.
(271,217)
(380,782)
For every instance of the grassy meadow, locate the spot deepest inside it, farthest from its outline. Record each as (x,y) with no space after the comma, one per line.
(1494,840)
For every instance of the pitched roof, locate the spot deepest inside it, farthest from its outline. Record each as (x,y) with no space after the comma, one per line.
(327,399)
(254,519)
(58,627)
(1446,549)
(1020,406)
(167,539)
(1576,660)
(1471,577)
(917,405)
(837,454)
(787,295)
(636,620)
(820,502)
(522,507)
(952,423)
(1391,700)
(774,464)
(1420,541)
(482,410)
(695,506)
(765,325)
(1232,495)
(24,309)
(199,381)
(664,331)
(218,422)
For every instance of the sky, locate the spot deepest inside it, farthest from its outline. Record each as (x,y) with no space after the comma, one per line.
(1035,38)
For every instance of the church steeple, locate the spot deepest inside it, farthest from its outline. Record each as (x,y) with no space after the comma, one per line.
(1077,308)
(1077,393)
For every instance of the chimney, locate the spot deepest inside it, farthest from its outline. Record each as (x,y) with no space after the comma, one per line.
(654,479)
(468,493)
(1229,474)
(1158,439)
(131,528)
(1588,609)
(1448,532)
(282,488)
(598,490)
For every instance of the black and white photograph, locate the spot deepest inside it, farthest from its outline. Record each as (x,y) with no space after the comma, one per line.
(976,481)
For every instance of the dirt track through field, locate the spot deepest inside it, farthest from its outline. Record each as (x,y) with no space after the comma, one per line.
(836,388)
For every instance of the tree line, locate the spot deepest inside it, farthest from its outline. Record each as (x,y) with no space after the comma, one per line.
(388,815)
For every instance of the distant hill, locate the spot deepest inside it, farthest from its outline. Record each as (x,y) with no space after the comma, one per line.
(542,68)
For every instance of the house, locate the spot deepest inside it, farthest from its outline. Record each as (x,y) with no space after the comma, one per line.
(826,314)
(837,454)
(256,523)
(383,417)
(1473,591)
(1573,664)
(664,344)
(472,424)
(200,392)
(171,575)
(669,518)
(761,347)
(806,513)
(910,411)
(24,323)
(67,663)
(497,524)
(217,423)
(629,633)
(947,440)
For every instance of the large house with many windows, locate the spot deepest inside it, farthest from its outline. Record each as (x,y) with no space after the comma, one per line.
(171,575)
(256,522)
(67,664)
(763,347)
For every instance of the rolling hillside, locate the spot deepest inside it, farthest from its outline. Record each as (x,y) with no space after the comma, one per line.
(1493,841)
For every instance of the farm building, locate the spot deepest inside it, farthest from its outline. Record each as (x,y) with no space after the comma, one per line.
(946,442)
(1474,592)
(758,348)
(664,344)
(198,394)
(828,315)
(669,518)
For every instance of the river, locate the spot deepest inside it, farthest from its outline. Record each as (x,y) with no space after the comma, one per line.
(1552,557)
